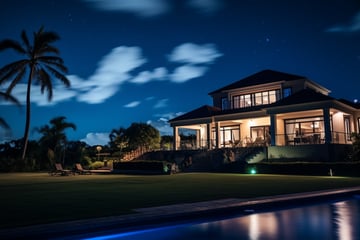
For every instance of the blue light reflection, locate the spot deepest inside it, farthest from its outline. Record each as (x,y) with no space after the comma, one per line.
(336,220)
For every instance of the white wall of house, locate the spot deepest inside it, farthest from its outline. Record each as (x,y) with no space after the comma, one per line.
(280,133)
(338,127)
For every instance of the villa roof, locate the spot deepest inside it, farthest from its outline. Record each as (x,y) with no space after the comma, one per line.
(262,77)
(304,96)
(350,103)
(201,112)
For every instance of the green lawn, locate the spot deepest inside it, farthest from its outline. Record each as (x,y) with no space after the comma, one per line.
(32,198)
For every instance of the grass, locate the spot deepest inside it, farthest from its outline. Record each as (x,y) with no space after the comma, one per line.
(34,198)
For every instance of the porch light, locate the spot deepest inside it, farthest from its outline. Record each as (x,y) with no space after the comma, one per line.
(251,123)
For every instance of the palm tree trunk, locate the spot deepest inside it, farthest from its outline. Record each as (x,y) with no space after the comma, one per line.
(27,121)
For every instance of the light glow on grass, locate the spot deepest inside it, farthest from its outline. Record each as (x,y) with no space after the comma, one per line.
(252,171)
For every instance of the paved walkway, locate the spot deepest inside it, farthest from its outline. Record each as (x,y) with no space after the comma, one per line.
(165,214)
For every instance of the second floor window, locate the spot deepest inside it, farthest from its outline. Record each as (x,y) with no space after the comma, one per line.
(286,92)
(255,99)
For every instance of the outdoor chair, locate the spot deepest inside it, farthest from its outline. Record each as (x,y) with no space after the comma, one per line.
(60,171)
(80,170)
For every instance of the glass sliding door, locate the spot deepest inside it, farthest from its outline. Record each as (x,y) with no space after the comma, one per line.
(260,135)
(229,136)
(304,130)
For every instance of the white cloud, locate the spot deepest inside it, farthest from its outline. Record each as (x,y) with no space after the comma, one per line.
(194,53)
(206,6)
(150,98)
(60,94)
(354,26)
(152,8)
(187,72)
(162,124)
(93,139)
(161,103)
(147,76)
(169,116)
(132,104)
(113,70)
(141,8)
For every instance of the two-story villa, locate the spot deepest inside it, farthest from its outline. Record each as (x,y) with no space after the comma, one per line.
(272,109)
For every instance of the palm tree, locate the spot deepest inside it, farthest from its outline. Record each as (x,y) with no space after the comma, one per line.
(54,137)
(118,140)
(41,62)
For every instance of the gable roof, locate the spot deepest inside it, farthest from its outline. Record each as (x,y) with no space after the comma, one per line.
(262,77)
(304,96)
(201,112)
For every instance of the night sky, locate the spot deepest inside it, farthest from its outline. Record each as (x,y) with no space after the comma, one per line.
(151,60)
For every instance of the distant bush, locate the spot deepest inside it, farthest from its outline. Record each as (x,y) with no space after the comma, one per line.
(96,165)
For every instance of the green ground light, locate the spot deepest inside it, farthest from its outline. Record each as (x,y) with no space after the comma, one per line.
(253,171)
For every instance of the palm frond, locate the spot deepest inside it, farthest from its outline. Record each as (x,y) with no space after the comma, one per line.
(42,39)
(60,124)
(4,124)
(70,125)
(48,49)
(9,97)
(11,44)
(25,40)
(11,69)
(45,82)
(55,61)
(16,80)
(59,75)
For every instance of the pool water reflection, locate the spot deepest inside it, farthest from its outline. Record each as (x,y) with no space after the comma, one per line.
(336,220)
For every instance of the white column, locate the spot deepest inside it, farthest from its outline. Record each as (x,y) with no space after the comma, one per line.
(327,125)
(208,135)
(176,136)
(198,138)
(217,130)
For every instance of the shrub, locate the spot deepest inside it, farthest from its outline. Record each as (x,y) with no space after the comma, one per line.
(96,165)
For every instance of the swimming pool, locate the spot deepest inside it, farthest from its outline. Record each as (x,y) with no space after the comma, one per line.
(331,220)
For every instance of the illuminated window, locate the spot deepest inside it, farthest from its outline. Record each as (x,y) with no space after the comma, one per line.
(258,99)
(265,97)
(228,135)
(304,130)
(247,100)
(236,102)
(255,99)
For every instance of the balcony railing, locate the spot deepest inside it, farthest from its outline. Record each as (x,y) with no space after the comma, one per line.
(313,138)
(281,140)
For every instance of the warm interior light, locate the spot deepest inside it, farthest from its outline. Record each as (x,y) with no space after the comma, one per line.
(251,123)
